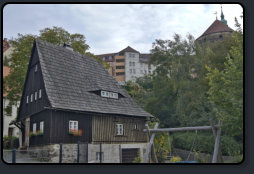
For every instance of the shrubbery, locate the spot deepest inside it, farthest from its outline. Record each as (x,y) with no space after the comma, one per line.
(205,143)
(10,142)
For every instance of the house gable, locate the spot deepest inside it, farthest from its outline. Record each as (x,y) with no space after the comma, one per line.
(34,98)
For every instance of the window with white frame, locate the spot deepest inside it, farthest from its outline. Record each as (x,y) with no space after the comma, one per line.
(35,68)
(73,125)
(119,129)
(32,97)
(42,126)
(39,93)
(34,128)
(35,95)
(27,99)
(109,94)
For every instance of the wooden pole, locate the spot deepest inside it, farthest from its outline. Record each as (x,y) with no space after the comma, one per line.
(150,144)
(216,145)
(169,143)
(220,159)
(180,129)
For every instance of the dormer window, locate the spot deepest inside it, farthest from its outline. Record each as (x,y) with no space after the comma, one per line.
(109,94)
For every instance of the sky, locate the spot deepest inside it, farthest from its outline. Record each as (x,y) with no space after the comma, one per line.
(109,28)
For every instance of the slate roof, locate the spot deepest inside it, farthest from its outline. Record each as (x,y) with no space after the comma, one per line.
(215,27)
(70,78)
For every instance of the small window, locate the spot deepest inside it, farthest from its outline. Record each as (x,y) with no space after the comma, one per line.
(40,93)
(133,63)
(106,94)
(134,71)
(104,58)
(42,126)
(115,95)
(27,99)
(135,126)
(32,97)
(98,156)
(130,63)
(103,94)
(73,125)
(130,70)
(35,68)
(141,71)
(119,129)
(34,128)
(110,58)
(35,96)
(111,95)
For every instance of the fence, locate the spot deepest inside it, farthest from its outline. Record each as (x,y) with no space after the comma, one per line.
(73,153)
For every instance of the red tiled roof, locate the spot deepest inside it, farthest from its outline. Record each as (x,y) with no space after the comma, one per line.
(6,71)
(5,45)
(215,27)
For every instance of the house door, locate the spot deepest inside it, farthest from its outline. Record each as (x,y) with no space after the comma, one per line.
(27,131)
(129,155)
(10,131)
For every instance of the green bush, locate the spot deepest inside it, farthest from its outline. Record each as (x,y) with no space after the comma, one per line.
(205,143)
(10,142)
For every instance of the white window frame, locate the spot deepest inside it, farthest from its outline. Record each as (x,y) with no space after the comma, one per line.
(39,94)
(34,128)
(119,129)
(27,99)
(35,68)
(115,95)
(72,125)
(32,95)
(35,95)
(42,126)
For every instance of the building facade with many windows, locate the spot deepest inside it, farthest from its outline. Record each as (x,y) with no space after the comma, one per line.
(128,64)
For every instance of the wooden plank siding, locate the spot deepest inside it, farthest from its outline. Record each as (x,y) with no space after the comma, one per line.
(60,127)
(37,118)
(34,82)
(104,129)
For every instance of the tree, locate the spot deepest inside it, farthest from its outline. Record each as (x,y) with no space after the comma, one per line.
(13,83)
(226,88)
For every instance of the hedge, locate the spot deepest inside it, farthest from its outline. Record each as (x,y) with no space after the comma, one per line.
(10,142)
(205,143)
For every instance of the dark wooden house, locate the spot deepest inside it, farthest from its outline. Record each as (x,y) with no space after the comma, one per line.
(66,93)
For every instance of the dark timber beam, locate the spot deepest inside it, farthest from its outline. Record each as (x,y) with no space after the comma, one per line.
(180,129)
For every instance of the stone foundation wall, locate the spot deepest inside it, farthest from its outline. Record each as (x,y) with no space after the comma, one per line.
(111,152)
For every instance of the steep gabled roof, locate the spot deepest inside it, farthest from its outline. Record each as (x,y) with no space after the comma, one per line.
(215,27)
(71,80)
(128,49)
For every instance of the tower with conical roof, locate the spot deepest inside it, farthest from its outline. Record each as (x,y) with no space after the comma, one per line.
(216,31)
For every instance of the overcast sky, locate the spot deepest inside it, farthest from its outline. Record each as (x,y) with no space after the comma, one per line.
(112,27)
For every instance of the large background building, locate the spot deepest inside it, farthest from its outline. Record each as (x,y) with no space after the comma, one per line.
(128,64)
(218,30)
(8,130)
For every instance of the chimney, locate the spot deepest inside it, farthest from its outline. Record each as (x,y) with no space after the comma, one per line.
(67,46)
